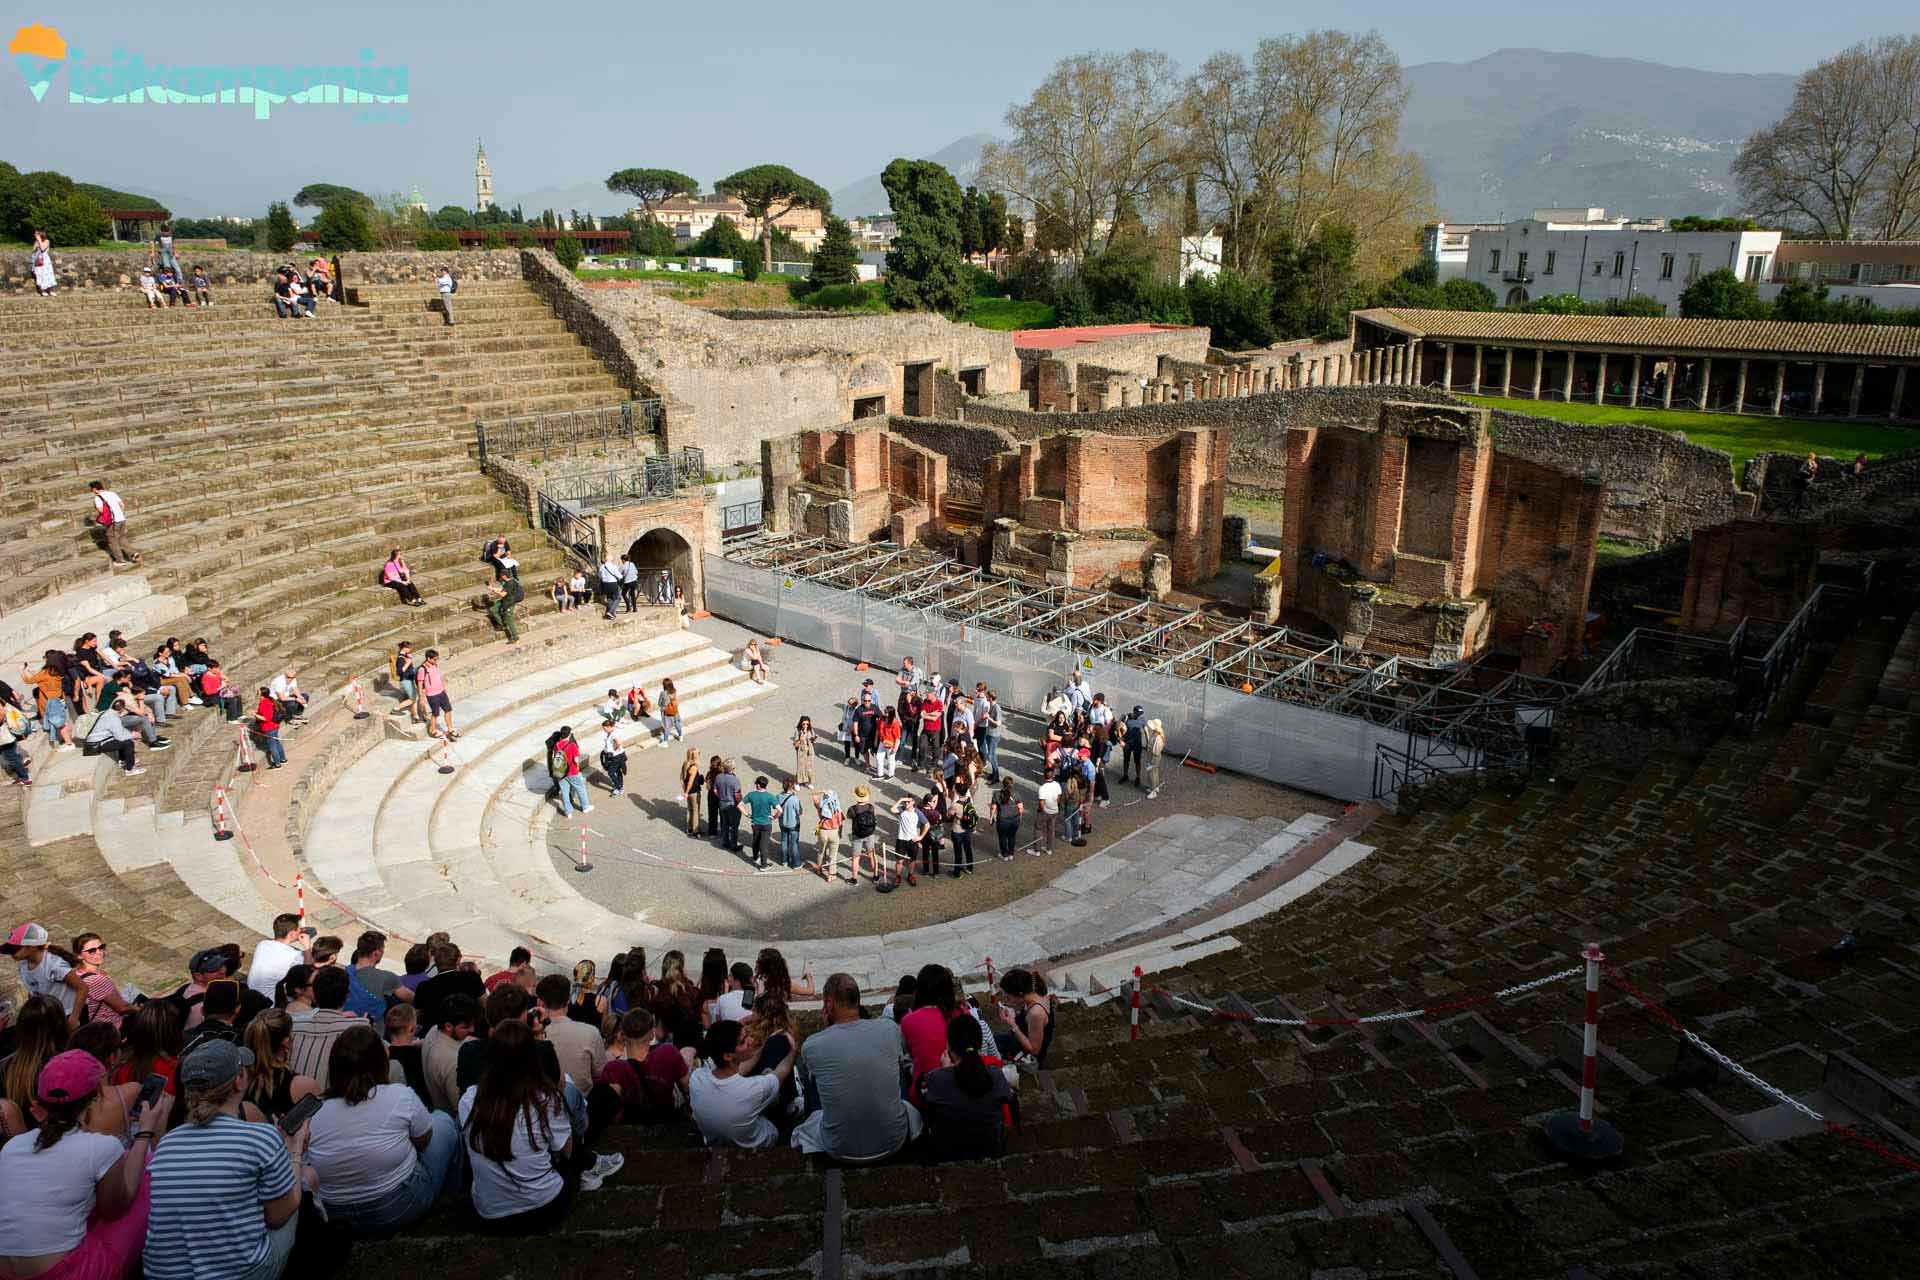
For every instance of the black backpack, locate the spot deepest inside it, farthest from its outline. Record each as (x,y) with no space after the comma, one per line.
(863,821)
(515,593)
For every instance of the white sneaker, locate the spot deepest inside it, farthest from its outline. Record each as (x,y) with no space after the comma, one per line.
(589,1181)
(586,808)
(135,772)
(603,1168)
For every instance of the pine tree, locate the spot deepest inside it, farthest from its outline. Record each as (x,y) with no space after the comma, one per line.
(835,259)
(1190,208)
(970,232)
(280,229)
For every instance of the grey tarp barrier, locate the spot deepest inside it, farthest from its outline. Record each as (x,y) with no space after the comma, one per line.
(743,594)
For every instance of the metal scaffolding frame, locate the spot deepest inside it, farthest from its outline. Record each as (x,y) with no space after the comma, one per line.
(1461,708)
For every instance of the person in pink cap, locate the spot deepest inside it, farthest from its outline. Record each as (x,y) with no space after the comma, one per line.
(76,1201)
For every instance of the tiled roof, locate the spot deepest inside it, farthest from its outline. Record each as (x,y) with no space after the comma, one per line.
(1735,337)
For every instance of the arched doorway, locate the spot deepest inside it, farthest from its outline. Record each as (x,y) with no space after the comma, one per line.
(665,561)
(1517,297)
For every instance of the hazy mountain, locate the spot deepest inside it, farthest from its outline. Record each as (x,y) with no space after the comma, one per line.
(961,157)
(1524,128)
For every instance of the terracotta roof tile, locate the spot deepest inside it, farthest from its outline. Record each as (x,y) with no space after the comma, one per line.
(1735,337)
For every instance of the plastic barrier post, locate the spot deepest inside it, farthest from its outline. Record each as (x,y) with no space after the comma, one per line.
(360,711)
(1133,1017)
(585,863)
(220,830)
(1578,1135)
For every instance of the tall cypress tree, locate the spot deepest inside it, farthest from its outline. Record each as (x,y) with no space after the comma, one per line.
(924,268)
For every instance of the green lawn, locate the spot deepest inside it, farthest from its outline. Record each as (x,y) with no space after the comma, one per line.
(1006,313)
(634,273)
(1742,435)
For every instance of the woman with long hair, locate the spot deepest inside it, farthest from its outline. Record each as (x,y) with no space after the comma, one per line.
(272,1085)
(53,697)
(40,1033)
(629,989)
(395,575)
(518,1138)
(295,991)
(715,767)
(1007,813)
(772,977)
(104,1003)
(1028,1016)
(381,1155)
(770,1030)
(713,981)
(112,1109)
(676,1002)
(803,739)
(692,781)
(584,1003)
(936,1002)
(965,1100)
(76,1200)
(151,1044)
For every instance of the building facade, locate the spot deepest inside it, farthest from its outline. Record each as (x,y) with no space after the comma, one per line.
(1599,258)
(1880,273)
(690,217)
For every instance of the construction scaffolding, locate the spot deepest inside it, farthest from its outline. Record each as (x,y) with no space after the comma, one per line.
(1265,700)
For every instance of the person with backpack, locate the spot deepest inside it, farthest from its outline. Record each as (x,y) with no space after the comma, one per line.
(110,513)
(789,813)
(723,791)
(13,731)
(563,766)
(1007,813)
(609,586)
(760,804)
(963,824)
(629,584)
(613,758)
(830,821)
(671,729)
(505,595)
(447,286)
(863,825)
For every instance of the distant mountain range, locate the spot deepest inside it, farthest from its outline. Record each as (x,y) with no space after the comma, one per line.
(961,158)
(1524,128)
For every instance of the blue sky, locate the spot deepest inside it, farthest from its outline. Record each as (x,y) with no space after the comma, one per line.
(834,91)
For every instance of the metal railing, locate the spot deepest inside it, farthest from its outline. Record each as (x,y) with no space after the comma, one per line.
(1762,679)
(574,533)
(740,519)
(656,477)
(607,425)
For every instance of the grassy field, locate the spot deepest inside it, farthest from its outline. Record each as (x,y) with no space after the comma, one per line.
(1743,436)
(1006,313)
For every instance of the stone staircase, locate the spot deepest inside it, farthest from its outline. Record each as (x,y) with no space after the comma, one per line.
(267,467)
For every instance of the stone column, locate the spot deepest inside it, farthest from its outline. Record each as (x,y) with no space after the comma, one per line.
(1779,384)
(1479,357)
(1566,380)
(1819,385)
(1899,393)
(1446,370)
(1341,370)
(1539,367)
(1673,376)
(1126,395)
(1294,366)
(1740,390)
(1413,363)
(1706,383)
(1633,388)
(1600,381)
(1186,390)
(1859,385)
(1506,371)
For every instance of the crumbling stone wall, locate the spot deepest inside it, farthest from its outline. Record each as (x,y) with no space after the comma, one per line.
(1767,568)
(91,269)
(1057,377)
(969,451)
(1620,726)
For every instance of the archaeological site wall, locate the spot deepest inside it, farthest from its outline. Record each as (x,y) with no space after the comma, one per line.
(91,269)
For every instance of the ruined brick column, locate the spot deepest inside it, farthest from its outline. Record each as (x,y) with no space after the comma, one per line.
(1341,370)
(1186,390)
(1126,395)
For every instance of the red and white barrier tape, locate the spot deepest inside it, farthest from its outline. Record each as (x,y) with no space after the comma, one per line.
(1520,988)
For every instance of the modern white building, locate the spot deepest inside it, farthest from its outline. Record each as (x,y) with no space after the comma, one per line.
(1200,256)
(1446,245)
(1597,258)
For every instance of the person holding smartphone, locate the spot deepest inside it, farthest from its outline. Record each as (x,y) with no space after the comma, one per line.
(381,1156)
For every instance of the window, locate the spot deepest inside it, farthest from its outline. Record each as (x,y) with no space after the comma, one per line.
(1666,266)
(1756,263)
(1548,269)
(1693,267)
(1520,264)
(1619,265)
(1493,260)
(1598,266)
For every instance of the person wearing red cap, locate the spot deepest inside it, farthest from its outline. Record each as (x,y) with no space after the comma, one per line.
(76,1201)
(45,970)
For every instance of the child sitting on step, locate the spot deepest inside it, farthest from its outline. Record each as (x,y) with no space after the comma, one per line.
(201,285)
(638,707)
(150,288)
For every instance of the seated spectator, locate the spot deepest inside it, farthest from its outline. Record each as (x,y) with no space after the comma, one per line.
(578,589)
(966,1101)
(286,692)
(519,961)
(935,1004)
(110,736)
(368,951)
(395,576)
(853,1066)
(226,1199)
(561,597)
(173,287)
(220,1010)
(647,1071)
(144,717)
(151,1044)
(113,1109)
(519,1139)
(273,1086)
(215,688)
(450,977)
(151,288)
(40,1035)
(581,1049)
(202,286)
(76,1201)
(167,673)
(302,295)
(283,304)
(314,1033)
(381,1156)
(729,1105)
(735,1004)
(771,1027)
(440,1051)
(320,276)
(294,992)
(1028,1017)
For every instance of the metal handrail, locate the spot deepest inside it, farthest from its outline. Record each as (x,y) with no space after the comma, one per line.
(573,533)
(622,423)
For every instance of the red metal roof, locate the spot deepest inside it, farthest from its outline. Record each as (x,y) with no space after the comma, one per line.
(1054,339)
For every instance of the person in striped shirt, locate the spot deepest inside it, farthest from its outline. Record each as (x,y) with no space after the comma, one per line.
(225,1195)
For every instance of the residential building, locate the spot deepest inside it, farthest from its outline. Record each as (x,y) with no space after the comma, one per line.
(1445,244)
(1881,273)
(1200,256)
(1598,258)
(690,217)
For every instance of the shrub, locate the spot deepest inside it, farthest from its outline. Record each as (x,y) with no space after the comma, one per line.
(568,251)
(71,220)
(434,239)
(342,227)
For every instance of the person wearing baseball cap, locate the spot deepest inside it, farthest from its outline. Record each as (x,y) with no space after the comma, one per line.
(74,1202)
(45,970)
(226,1199)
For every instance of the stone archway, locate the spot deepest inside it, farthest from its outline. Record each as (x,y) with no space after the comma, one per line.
(658,549)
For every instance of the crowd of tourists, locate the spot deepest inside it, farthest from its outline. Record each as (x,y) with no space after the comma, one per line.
(308,1089)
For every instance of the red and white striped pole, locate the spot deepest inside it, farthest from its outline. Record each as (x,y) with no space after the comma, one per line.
(246,750)
(990,984)
(300,896)
(359,701)
(220,831)
(1578,1135)
(1133,1018)
(585,863)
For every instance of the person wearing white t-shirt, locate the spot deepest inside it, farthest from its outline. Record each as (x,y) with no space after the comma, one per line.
(42,972)
(272,957)
(285,689)
(731,1108)
(736,1002)
(1046,816)
(110,513)
(381,1156)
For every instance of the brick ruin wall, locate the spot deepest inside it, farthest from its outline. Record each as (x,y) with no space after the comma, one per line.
(1767,568)
(84,270)
(1059,378)
(969,451)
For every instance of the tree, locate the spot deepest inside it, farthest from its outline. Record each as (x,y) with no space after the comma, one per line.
(1845,159)
(568,251)
(1798,300)
(1313,285)
(322,194)
(721,240)
(651,186)
(834,261)
(1696,222)
(1099,129)
(1721,295)
(1237,308)
(924,267)
(451,217)
(280,229)
(1016,237)
(970,233)
(21,193)
(343,226)
(1467,295)
(770,192)
(435,240)
(993,222)
(73,220)
(1190,207)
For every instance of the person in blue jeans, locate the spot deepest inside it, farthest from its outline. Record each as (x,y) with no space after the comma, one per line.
(563,766)
(382,1158)
(790,809)
(760,806)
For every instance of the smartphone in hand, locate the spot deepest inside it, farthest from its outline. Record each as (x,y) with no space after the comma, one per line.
(302,1112)
(150,1090)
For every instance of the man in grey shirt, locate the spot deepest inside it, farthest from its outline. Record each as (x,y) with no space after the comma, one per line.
(854,1066)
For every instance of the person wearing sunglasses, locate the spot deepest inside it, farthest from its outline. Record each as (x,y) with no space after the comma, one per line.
(103,1002)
